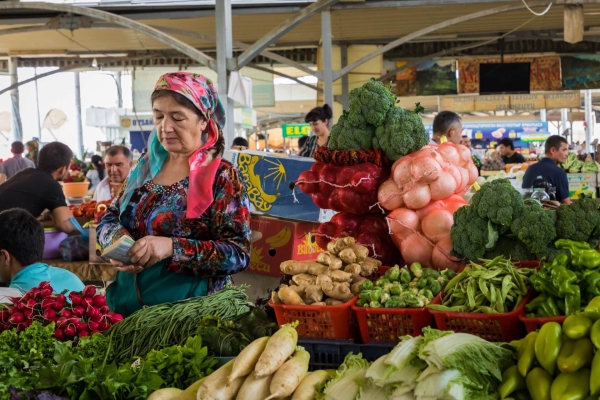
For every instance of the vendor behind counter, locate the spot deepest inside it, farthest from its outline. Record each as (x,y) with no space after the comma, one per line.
(557,150)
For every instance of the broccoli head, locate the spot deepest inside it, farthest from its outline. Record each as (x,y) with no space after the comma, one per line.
(498,201)
(579,220)
(370,103)
(402,133)
(344,136)
(535,227)
(471,235)
(510,247)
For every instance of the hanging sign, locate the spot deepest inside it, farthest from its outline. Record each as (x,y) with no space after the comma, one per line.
(295,130)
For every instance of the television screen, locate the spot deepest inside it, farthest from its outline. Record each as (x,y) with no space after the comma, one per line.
(504,78)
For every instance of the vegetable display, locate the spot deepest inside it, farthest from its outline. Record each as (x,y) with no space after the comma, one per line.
(566,285)
(574,165)
(558,362)
(496,286)
(371,231)
(412,287)
(333,279)
(82,314)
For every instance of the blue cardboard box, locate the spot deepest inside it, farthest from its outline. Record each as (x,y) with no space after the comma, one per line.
(269,179)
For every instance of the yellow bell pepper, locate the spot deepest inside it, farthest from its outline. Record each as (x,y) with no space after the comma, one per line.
(527,357)
(577,326)
(538,383)
(548,344)
(571,385)
(512,381)
(592,310)
(575,354)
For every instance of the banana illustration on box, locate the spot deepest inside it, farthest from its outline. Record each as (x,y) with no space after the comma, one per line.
(280,239)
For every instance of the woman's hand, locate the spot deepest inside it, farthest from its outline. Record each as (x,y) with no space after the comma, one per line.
(151,249)
(130,269)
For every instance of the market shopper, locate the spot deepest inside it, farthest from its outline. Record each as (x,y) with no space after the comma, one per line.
(185,207)
(21,250)
(557,150)
(38,189)
(16,163)
(506,148)
(239,143)
(96,173)
(33,148)
(448,124)
(118,161)
(318,118)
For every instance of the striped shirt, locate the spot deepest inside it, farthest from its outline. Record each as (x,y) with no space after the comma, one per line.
(310,146)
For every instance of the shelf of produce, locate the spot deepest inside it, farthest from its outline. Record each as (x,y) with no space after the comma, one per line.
(534,324)
(492,327)
(322,322)
(389,324)
(329,354)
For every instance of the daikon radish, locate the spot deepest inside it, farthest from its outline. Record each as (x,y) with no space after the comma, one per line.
(247,359)
(279,347)
(255,389)
(191,391)
(165,394)
(288,377)
(215,387)
(306,390)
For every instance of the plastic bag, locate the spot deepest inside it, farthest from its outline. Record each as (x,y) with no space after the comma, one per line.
(343,189)
(76,248)
(369,230)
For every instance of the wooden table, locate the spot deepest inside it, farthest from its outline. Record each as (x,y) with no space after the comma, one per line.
(85,271)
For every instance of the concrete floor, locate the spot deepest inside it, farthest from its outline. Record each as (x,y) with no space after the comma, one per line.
(257,284)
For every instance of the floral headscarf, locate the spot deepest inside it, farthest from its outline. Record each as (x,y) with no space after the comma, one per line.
(202,93)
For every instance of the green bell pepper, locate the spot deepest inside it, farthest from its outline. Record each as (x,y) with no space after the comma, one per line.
(592,310)
(586,258)
(548,344)
(571,245)
(539,382)
(575,354)
(571,385)
(592,281)
(595,379)
(512,381)
(536,303)
(527,357)
(577,326)
(595,334)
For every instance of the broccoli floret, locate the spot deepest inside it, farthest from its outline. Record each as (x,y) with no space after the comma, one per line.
(471,234)
(551,252)
(510,247)
(369,104)
(344,136)
(579,220)
(535,227)
(498,201)
(402,133)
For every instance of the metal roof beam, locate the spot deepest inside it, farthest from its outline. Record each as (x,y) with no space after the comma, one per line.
(255,49)
(433,28)
(272,71)
(118,20)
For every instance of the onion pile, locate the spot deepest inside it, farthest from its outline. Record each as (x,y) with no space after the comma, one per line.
(85,314)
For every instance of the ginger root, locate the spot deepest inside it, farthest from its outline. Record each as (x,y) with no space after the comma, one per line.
(330,260)
(275,298)
(322,279)
(361,252)
(337,290)
(369,266)
(340,244)
(289,296)
(333,302)
(319,303)
(355,288)
(340,276)
(304,279)
(298,289)
(292,267)
(317,269)
(348,256)
(353,269)
(314,294)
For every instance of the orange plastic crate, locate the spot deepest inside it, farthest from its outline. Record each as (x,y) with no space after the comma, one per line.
(321,322)
(388,324)
(492,327)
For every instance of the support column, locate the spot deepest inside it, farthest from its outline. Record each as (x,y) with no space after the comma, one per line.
(589,120)
(344,53)
(37,107)
(79,150)
(17,127)
(564,118)
(225,52)
(119,83)
(543,115)
(326,50)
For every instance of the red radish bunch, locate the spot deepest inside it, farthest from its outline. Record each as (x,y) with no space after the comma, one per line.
(85,314)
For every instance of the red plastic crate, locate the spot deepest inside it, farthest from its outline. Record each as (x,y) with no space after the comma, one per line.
(533,324)
(388,324)
(378,274)
(492,327)
(321,322)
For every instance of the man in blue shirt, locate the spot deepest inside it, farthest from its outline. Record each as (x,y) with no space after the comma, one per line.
(557,150)
(21,251)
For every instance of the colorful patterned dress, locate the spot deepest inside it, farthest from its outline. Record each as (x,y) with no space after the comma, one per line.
(206,250)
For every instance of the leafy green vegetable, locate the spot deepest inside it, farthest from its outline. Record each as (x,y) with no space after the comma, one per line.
(579,220)
(401,133)
(498,201)
(369,104)
(345,136)
(535,227)
(345,383)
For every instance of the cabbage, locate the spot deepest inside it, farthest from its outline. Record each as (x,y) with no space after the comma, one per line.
(450,384)
(347,382)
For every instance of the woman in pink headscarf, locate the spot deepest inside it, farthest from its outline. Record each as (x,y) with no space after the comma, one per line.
(184,206)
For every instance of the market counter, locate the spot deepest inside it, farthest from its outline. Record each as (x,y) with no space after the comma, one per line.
(85,271)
